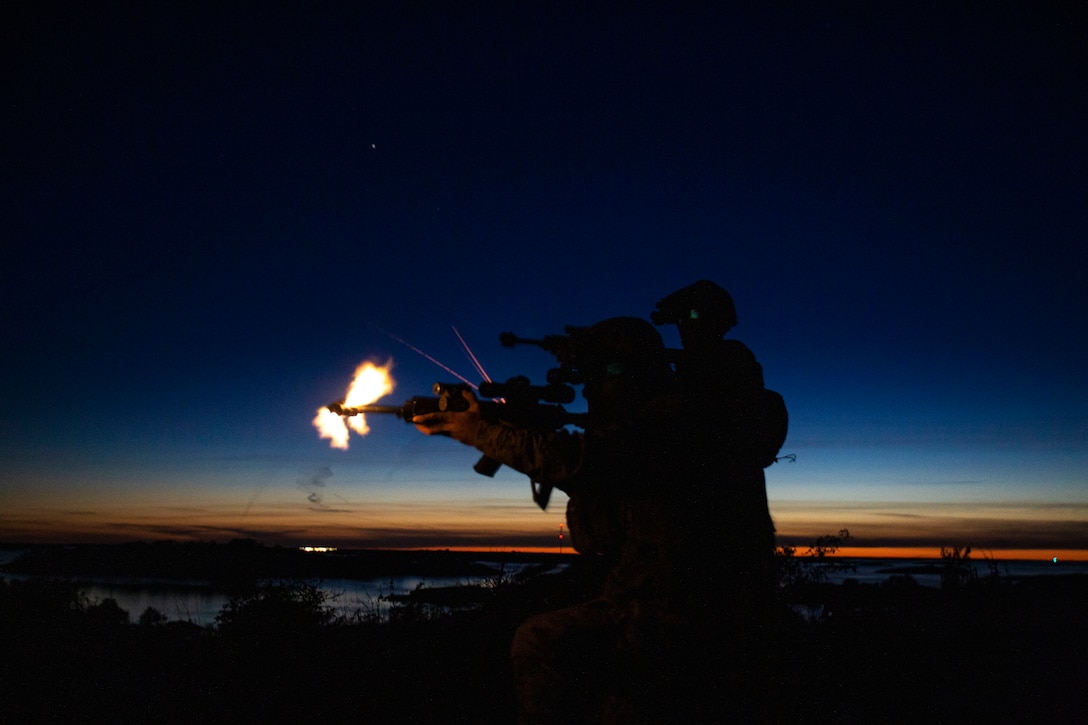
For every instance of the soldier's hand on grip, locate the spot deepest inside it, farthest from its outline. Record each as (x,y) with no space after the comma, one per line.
(459,425)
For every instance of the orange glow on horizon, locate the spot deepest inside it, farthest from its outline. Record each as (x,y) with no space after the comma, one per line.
(977,555)
(488,550)
(846,552)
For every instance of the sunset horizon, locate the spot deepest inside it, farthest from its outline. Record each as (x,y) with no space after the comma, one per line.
(977,555)
(529,541)
(208,239)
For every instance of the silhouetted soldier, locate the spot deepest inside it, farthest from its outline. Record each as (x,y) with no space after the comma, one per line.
(739,428)
(640,496)
(743,425)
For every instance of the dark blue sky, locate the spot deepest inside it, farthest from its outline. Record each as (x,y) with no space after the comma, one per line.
(208,210)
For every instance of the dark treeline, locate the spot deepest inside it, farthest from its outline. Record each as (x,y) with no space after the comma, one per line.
(245,559)
(977,649)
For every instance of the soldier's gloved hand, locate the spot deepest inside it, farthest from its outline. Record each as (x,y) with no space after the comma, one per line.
(459,425)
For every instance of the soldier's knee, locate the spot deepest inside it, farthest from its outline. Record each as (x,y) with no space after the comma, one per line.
(533,640)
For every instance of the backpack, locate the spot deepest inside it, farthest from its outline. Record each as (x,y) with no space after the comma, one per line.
(771,427)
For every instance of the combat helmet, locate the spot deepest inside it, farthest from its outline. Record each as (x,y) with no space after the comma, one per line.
(702,303)
(621,348)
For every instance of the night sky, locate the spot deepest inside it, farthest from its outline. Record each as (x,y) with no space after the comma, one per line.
(213,214)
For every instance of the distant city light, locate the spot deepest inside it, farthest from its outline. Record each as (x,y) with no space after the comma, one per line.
(317,548)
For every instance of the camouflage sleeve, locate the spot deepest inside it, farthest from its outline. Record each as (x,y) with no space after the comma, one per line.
(551,457)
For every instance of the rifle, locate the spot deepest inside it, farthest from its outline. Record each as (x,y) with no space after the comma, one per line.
(516,402)
(449,399)
(565,348)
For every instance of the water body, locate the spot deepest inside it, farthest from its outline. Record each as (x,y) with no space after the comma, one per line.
(199,601)
(927,572)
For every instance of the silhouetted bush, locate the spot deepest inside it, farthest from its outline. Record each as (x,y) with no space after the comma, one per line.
(957,570)
(815,565)
(107,613)
(275,608)
(151,617)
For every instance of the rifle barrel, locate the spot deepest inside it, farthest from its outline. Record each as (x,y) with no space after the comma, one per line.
(382,409)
